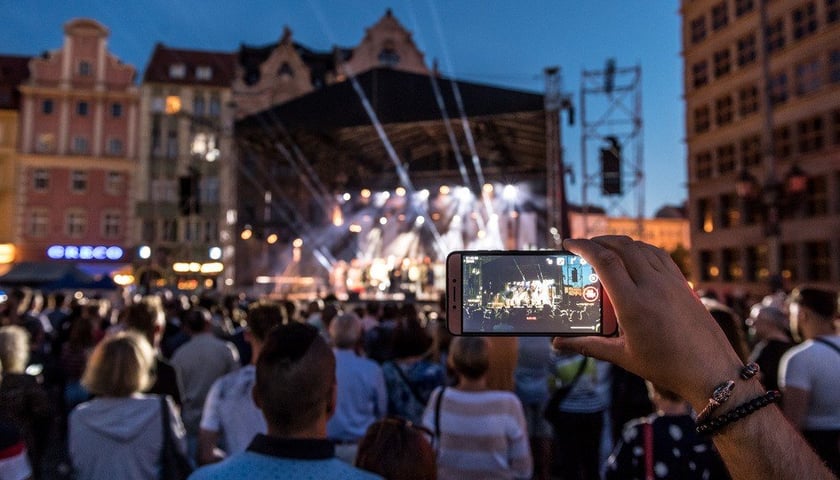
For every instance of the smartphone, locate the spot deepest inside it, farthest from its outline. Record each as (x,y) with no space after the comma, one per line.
(530,292)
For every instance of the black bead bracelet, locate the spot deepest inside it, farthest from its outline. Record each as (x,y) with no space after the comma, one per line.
(710,427)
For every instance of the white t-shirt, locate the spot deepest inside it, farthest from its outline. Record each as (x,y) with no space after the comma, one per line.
(230,410)
(815,368)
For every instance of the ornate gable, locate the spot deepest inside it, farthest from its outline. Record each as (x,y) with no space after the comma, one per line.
(389,44)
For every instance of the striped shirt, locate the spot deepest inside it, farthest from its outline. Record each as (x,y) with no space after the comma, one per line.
(482,435)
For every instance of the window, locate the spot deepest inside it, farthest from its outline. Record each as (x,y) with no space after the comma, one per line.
(82,109)
(78,181)
(782,145)
(116,110)
(720,16)
(748,100)
(698,29)
(45,143)
(835,126)
(115,147)
(215,106)
(730,214)
(723,110)
(778,88)
(834,66)
(40,180)
(39,222)
(114,182)
(388,56)
(708,269)
(203,73)
(832,11)
(731,262)
(722,62)
(775,35)
(84,68)
(177,70)
(703,161)
(818,261)
(726,158)
(701,119)
(209,190)
(158,105)
(706,215)
(810,134)
(808,77)
(172,145)
(75,223)
(804,20)
(746,50)
(751,151)
(111,225)
(47,107)
(700,73)
(80,145)
(789,261)
(743,7)
(816,197)
(285,70)
(198,105)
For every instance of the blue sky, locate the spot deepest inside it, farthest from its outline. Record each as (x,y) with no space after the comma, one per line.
(504,43)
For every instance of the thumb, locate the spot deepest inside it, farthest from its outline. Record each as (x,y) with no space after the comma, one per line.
(609,349)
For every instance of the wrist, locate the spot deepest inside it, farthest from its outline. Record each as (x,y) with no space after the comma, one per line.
(744,388)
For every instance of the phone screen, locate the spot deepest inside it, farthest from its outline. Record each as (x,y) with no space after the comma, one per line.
(545,292)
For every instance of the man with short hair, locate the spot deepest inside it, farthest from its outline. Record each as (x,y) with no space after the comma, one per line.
(296,391)
(362,396)
(230,414)
(199,362)
(808,373)
(769,326)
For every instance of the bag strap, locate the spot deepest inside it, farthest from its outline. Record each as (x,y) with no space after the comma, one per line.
(411,387)
(563,391)
(647,432)
(828,344)
(164,414)
(438,401)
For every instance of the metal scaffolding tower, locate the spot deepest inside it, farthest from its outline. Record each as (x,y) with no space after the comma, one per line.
(613,97)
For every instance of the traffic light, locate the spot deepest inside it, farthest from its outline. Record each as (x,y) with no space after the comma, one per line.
(611,168)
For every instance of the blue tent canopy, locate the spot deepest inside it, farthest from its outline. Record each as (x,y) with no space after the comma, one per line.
(50,276)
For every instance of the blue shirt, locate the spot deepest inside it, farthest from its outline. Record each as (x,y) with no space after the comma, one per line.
(362,398)
(269,458)
(418,379)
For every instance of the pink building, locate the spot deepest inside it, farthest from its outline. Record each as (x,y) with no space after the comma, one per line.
(78,151)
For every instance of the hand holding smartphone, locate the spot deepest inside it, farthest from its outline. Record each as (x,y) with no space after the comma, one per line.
(531,292)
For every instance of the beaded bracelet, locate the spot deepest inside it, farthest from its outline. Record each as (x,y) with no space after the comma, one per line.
(723,391)
(713,426)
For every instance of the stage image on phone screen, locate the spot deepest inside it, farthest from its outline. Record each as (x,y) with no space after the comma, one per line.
(557,293)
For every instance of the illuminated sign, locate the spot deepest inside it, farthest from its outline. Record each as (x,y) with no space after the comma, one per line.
(85,252)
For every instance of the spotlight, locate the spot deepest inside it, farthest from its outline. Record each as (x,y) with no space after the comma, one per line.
(400,191)
(510,192)
(246,234)
(383,220)
(272,239)
(444,190)
(346,197)
(487,188)
(297,243)
(464,194)
(365,193)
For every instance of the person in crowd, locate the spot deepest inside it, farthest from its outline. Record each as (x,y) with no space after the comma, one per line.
(398,449)
(503,354)
(677,345)
(119,434)
(296,391)
(412,376)
(313,314)
(629,399)
(664,445)
(83,336)
(370,319)
(362,396)
(147,318)
(809,373)
(379,341)
(481,433)
(531,386)
(579,424)
(769,328)
(23,401)
(731,325)
(199,362)
(14,458)
(231,418)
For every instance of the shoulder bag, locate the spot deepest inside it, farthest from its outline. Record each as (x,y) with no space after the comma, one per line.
(174,465)
(552,409)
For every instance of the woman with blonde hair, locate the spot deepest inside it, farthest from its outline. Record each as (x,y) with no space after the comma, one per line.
(120,433)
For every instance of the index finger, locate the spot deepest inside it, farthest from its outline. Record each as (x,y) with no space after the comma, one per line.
(608,265)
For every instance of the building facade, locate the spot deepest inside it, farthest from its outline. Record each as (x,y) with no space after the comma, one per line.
(762,93)
(14,70)
(185,194)
(77,153)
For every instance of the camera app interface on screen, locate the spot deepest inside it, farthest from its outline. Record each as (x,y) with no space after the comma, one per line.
(530,294)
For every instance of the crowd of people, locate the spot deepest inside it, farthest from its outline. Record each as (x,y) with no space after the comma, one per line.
(251,388)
